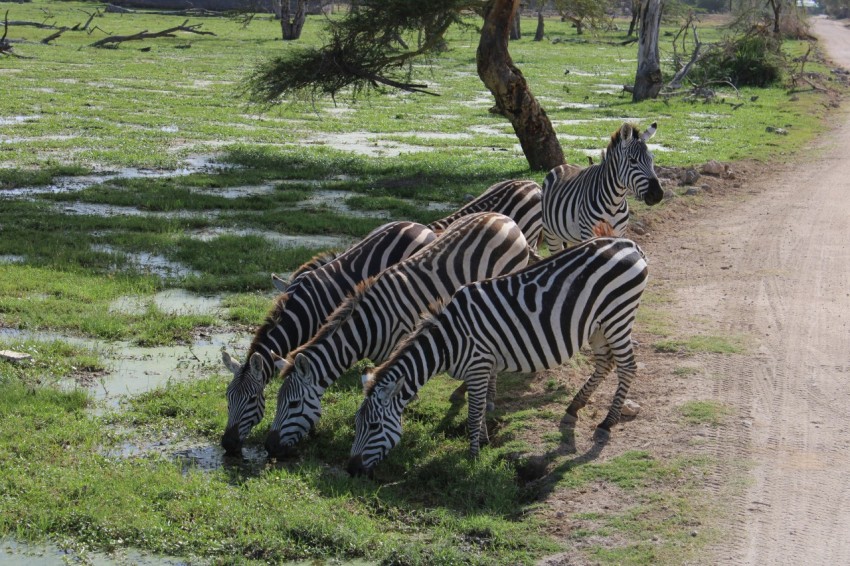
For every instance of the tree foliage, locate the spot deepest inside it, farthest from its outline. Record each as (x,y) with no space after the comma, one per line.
(366,49)
(583,13)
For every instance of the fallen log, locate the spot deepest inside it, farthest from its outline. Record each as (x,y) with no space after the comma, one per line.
(114,40)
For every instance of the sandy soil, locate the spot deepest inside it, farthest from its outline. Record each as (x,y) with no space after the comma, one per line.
(764,260)
(774,267)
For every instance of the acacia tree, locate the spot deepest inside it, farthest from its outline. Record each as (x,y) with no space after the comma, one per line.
(292,22)
(582,12)
(364,51)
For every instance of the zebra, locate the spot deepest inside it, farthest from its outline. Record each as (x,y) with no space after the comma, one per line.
(386,307)
(533,319)
(573,202)
(518,199)
(301,310)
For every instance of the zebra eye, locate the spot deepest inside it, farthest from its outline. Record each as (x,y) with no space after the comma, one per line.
(632,160)
(374,426)
(294,404)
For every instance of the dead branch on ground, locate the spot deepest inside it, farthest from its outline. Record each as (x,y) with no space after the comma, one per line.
(114,40)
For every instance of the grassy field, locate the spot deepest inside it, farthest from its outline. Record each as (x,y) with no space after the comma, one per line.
(179,183)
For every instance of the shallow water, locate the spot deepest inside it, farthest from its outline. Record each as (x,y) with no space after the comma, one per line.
(150,263)
(171,301)
(41,554)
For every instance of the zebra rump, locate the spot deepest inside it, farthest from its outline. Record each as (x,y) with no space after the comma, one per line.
(533,319)
(301,310)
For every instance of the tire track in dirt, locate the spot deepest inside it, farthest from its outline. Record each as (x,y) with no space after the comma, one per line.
(775,267)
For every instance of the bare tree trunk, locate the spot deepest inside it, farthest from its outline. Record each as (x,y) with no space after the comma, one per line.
(538,35)
(516,29)
(510,89)
(292,24)
(648,80)
(776,6)
(635,12)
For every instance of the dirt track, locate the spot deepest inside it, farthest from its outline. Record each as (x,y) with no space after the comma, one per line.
(774,267)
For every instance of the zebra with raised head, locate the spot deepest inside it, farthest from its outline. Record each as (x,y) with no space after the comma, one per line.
(518,199)
(301,310)
(574,202)
(533,319)
(371,322)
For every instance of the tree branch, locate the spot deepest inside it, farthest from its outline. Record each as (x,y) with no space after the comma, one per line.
(116,39)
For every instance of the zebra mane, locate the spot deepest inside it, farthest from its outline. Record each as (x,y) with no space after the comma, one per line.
(425,324)
(272,319)
(617,138)
(315,262)
(342,313)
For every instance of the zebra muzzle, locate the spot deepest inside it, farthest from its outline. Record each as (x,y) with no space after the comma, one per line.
(275,448)
(231,442)
(356,467)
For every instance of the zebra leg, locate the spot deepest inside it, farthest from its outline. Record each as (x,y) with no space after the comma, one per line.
(477,403)
(459,394)
(491,392)
(604,362)
(626,368)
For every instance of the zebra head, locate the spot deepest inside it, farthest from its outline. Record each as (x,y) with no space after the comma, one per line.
(377,426)
(299,406)
(246,404)
(634,162)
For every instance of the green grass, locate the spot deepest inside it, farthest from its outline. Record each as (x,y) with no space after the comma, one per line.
(704,343)
(704,412)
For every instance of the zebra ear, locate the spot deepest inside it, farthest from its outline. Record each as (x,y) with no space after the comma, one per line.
(279,362)
(256,363)
(626,132)
(302,364)
(278,283)
(649,131)
(231,364)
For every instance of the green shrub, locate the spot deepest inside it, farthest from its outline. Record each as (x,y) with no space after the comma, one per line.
(754,59)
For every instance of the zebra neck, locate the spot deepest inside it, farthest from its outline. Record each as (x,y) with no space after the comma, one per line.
(417,361)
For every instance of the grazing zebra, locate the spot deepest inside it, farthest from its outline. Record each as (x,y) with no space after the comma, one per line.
(301,310)
(573,202)
(386,307)
(516,199)
(527,321)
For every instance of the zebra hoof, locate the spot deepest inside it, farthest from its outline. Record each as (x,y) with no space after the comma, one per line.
(601,435)
(569,420)
(457,397)
(491,406)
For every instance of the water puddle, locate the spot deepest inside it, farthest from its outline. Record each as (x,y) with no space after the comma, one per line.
(170,301)
(149,263)
(240,192)
(11,258)
(39,554)
(335,200)
(192,454)
(318,241)
(365,143)
(65,184)
(111,210)
(11,120)
(131,369)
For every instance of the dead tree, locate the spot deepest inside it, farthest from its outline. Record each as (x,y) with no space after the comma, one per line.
(114,40)
(648,79)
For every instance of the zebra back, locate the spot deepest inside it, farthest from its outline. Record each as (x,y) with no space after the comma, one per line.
(516,199)
(384,308)
(575,201)
(299,312)
(527,321)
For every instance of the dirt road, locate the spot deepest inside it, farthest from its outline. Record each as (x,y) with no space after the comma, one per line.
(774,268)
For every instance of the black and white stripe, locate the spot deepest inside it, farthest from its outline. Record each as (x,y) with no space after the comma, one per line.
(534,319)
(518,199)
(370,323)
(301,310)
(575,202)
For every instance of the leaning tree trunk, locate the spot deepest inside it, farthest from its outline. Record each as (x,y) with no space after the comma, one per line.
(648,80)
(513,98)
(292,24)
(636,4)
(538,35)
